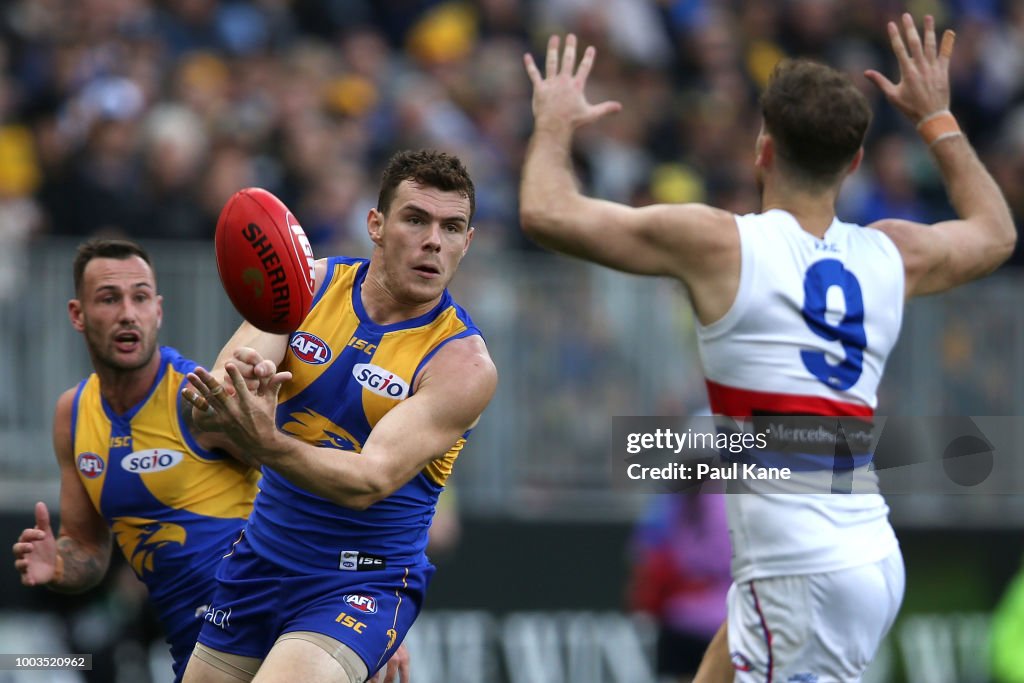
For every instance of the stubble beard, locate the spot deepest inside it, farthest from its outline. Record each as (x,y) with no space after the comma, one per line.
(103,354)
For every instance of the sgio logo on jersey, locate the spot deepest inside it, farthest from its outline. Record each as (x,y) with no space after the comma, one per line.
(380,381)
(152,460)
(310,348)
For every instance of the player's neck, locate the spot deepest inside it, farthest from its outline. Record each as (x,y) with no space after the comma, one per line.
(813,210)
(381,304)
(123,389)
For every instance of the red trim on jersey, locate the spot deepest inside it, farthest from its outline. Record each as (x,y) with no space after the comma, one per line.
(767,634)
(735,402)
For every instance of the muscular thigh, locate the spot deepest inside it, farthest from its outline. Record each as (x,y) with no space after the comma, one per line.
(306,657)
(296,656)
(213,666)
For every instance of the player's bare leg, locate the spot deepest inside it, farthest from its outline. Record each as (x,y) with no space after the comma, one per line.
(300,659)
(210,666)
(716,667)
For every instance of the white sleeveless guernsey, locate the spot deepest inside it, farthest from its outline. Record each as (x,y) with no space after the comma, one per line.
(808,334)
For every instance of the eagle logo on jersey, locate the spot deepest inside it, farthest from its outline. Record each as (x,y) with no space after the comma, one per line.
(141,538)
(315,429)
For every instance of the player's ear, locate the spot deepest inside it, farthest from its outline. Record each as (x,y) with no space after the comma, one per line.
(159,311)
(375,226)
(469,239)
(855,164)
(75,315)
(764,151)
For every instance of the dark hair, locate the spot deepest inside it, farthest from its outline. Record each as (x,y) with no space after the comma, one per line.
(426,167)
(816,117)
(101,248)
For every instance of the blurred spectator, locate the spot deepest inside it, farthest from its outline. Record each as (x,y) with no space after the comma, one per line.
(680,576)
(145,115)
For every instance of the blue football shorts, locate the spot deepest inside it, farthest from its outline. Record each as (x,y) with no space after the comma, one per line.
(257,601)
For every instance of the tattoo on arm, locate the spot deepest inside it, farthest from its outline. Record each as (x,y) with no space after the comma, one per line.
(84,567)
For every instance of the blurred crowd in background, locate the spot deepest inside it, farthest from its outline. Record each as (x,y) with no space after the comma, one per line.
(141,117)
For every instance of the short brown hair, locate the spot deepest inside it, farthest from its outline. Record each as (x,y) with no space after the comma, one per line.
(816,117)
(103,248)
(429,168)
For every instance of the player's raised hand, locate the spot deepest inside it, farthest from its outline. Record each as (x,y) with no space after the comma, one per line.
(397,668)
(924,69)
(558,99)
(256,369)
(245,415)
(252,366)
(35,553)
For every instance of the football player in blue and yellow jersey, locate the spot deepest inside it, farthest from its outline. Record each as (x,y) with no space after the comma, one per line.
(132,470)
(357,434)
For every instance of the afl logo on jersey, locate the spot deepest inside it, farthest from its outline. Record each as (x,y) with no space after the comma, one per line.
(90,465)
(310,348)
(380,381)
(364,603)
(152,460)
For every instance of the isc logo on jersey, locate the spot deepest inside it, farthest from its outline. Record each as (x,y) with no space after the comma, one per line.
(364,603)
(380,381)
(90,465)
(310,348)
(152,460)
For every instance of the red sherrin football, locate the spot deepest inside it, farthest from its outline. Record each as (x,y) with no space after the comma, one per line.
(265,262)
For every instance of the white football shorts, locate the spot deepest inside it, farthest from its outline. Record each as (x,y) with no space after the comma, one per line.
(813,628)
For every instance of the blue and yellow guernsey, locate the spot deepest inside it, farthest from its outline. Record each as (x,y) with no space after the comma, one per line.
(173,507)
(348,372)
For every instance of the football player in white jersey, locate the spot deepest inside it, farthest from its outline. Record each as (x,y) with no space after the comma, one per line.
(797,313)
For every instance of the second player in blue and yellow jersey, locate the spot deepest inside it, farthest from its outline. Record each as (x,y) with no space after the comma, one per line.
(173,506)
(132,471)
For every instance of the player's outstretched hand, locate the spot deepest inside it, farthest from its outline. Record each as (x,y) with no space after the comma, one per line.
(558,99)
(247,416)
(924,70)
(250,364)
(397,668)
(35,553)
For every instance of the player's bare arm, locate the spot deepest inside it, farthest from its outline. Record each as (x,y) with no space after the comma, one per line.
(694,243)
(947,254)
(246,348)
(245,352)
(256,354)
(77,559)
(451,394)
(249,345)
